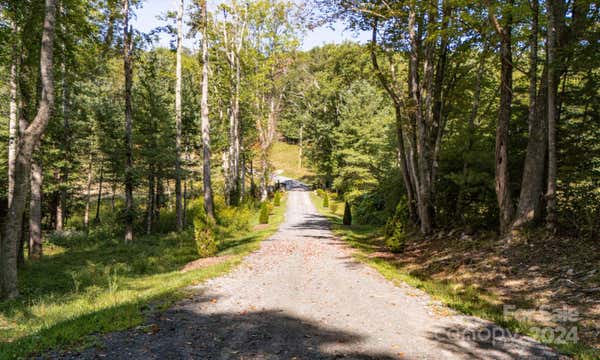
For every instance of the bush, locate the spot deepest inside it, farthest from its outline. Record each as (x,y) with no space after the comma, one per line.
(320,193)
(277,199)
(206,243)
(347,214)
(333,206)
(395,228)
(263,218)
(325,200)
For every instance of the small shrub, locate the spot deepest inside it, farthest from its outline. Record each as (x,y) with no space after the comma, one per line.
(395,228)
(395,236)
(277,199)
(263,218)
(347,214)
(333,206)
(320,193)
(325,200)
(206,243)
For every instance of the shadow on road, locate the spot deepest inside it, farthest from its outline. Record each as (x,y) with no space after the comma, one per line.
(184,333)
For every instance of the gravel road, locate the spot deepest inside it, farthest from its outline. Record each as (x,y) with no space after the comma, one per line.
(302,296)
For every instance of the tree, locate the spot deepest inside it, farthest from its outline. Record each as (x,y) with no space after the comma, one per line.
(29,138)
(206,176)
(178,203)
(505,203)
(127,66)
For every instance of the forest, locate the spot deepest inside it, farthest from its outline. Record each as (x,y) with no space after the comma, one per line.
(458,134)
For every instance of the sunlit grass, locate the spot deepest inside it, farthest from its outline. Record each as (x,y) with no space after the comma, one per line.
(469,300)
(285,157)
(97,284)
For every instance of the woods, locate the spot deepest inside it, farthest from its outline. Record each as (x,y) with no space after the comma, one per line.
(450,117)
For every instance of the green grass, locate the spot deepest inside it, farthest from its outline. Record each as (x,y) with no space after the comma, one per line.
(465,299)
(97,284)
(284,157)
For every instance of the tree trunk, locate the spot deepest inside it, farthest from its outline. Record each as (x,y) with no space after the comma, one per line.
(532,183)
(13,127)
(206,180)
(552,91)
(62,199)
(178,205)
(99,200)
(150,207)
(35,210)
(28,140)
(113,193)
(503,195)
(88,191)
(127,49)
(423,169)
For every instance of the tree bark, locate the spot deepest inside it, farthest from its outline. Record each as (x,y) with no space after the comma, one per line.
(35,210)
(178,204)
(88,191)
(99,199)
(503,195)
(13,127)
(532,182)
(28,140)
(150,202)
(552,114)
(206,177)
(127,66)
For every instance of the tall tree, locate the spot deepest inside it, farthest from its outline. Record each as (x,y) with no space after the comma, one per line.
(29,139)
(206,176)
(551,9)
(178,203)
(127,53)
(532,182)
(504,31)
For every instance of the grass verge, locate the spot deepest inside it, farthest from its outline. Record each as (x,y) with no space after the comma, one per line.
(469,300)
(96,284)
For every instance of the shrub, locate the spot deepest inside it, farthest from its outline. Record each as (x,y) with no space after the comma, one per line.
(277,199)
(206,243)
(347,214)
(395,228)
(325,200)
(263,218)
(320,193)
(333,206)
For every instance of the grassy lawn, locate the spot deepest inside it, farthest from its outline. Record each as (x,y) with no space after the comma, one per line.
(468,300)
(284,157)
(96,284)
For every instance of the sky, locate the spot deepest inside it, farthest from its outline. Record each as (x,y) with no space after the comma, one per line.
(146,20)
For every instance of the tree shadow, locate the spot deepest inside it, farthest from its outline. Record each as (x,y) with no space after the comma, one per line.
(190,331)
(484,340)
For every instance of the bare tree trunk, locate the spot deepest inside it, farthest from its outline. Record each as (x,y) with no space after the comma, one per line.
(505,205)
(150,208)
(552,91)
(99,200)
(127,49)
(28,140)
(35,210)
(178,205)
(113,193)
(423,170)
(206,179)
(62,199)
(88,191)
(532,183)
(13,127)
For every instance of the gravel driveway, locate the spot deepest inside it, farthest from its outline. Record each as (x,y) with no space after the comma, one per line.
(302,296)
